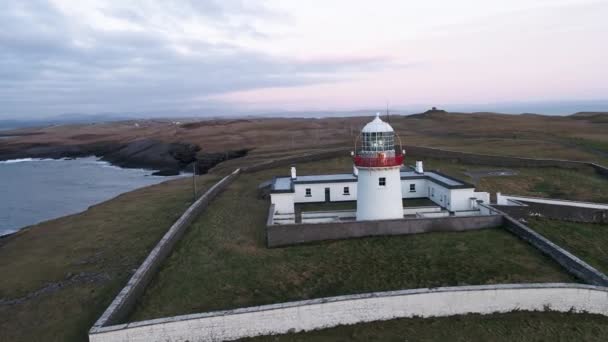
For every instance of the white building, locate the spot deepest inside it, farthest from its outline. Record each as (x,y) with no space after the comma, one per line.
(379,182)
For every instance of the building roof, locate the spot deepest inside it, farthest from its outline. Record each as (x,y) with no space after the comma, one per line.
(377,125)
(286,184)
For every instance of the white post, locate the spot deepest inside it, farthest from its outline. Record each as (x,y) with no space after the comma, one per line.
(293,172)
(419,167)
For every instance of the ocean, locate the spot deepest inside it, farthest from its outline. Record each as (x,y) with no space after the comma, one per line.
(36,190)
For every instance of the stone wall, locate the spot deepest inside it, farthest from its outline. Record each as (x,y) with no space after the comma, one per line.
(330,312)
(302,158)
(557,212)
(293,234)
(571,263)
(120,308)
(487,159)
(428,152)
(523,206)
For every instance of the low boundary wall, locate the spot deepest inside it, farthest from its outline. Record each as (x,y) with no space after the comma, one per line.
(293,234)
(301,158)
(489,159)
(576,211)
(421,151)
(120,308)
(571,263)
(344,310)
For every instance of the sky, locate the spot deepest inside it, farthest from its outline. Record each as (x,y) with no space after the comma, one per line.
(203,56)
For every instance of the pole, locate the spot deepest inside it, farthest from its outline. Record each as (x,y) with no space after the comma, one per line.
(194,180)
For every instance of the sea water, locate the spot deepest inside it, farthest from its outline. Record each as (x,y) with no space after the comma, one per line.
(36,190)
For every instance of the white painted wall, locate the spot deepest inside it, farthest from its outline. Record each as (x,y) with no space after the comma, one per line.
(461,199)
(451,199)
(336,191)
(329,312)
(283,202)
(421,188)
(414,210)
(504,200)
(375,202)
(439,195)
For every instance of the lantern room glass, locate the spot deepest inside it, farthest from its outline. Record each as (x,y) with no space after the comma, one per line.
(373,142)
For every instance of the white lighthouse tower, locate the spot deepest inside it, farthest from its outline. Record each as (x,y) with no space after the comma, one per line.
(379,178)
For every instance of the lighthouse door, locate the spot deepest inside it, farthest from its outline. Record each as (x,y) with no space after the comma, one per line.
(327,199)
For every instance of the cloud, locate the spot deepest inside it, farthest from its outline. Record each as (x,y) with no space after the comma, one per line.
(62,58)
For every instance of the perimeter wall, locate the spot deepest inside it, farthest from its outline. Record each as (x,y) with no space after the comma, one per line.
(293,234)
(330,312)
(122,305)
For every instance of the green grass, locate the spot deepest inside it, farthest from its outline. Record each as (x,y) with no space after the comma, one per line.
(507,327)
(222,261)
(65,272)
(587,241)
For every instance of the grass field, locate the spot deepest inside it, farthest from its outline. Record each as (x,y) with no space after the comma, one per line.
(587,241)
(59,276)
(514,326)
(222,261)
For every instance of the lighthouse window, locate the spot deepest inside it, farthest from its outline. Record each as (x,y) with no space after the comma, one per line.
(378,141)
(412,187)
(308,192)
(346,191)
(382,181)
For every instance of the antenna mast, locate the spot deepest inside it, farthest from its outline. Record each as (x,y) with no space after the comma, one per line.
(388,118)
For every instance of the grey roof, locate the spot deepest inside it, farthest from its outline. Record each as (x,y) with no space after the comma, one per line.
(443,179)
(340,177)
(282,184)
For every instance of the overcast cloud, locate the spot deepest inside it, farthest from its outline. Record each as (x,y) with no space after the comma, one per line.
(91,56)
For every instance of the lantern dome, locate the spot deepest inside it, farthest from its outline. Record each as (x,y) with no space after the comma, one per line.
(377,126)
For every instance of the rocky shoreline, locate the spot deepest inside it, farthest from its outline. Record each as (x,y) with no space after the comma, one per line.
(167,158)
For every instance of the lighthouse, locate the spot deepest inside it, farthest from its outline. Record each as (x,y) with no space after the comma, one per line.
(378,167)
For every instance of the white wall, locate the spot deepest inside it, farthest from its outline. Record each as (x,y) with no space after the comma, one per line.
(336,191)
(484,196)
(504,200)
(461,199)
(451,199)
(329,312)
(421,188)
(283,202)
(377,202)
(415,210)
(439,194)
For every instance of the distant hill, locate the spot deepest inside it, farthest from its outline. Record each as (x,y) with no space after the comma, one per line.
(596,117)
(432,113)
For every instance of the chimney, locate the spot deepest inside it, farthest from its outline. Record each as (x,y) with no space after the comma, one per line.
(419,168)
(293,172)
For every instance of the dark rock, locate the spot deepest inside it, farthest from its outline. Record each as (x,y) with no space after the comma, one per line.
(205,161)
(169,158)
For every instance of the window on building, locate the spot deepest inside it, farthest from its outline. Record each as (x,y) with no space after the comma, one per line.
(308,192)
(382,181)
(412,187)
(346,191)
